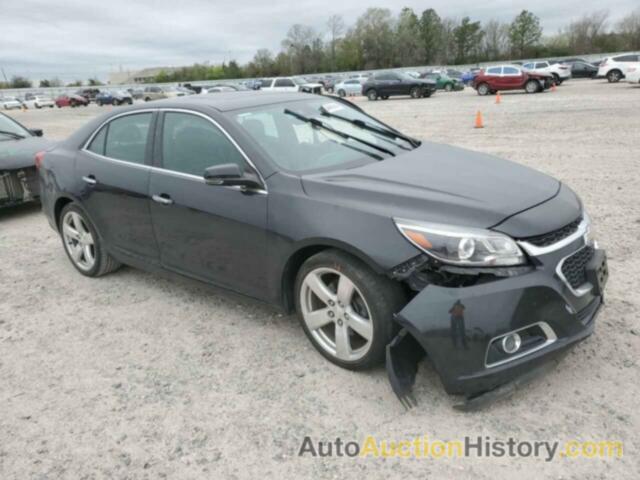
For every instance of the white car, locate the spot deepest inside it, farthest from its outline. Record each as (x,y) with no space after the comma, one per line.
(613,68)
(36,100)
(348,87)
(560,71)
(10,102)
(632,73)
(290,84)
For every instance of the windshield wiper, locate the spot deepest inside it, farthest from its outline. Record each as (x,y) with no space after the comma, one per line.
(12,134)
(317,123)
(372,128)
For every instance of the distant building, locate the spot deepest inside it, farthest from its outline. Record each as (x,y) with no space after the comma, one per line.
(127,77)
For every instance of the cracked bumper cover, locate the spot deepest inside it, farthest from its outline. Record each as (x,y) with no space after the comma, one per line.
(456,325)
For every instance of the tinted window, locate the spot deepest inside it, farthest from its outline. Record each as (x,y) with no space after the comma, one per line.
(494,70)
(284,82)
(626,58)
(510,71)
(97,144)
(542,65)
(191,144)
(127,137)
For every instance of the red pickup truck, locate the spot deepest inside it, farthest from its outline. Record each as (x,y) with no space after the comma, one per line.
(510,77)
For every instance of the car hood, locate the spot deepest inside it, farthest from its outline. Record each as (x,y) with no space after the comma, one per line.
(21,153)
(438,183)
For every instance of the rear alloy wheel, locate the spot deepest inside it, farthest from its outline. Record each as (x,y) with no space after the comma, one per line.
(372,95)
(415,92)
(83,245)
(346,309)
(614,76)
(532,86)
(483,89)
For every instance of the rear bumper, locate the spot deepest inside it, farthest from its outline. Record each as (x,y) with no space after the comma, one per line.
(460,328)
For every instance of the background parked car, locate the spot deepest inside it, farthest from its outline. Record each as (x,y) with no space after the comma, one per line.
(348,87)
(136,93)
(290,84)
(510,77)
(154,93)
(88,93)
(444,82)
(386,84)
(71,100)
(583,70)
(467,77)
(18,175)
(116,97)
(560,71)
(613,68)
(37,100)
(8,103)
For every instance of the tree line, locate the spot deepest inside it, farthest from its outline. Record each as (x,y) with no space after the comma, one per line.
(379,39)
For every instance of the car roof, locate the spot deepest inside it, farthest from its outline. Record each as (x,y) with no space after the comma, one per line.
(227,101)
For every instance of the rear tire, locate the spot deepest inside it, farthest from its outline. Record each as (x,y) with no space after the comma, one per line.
(358,303)
(532,86)
(483,89)
(415,92)
(79,234)
(614,76)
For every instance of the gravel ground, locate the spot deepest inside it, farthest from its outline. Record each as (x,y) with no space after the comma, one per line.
(140,376)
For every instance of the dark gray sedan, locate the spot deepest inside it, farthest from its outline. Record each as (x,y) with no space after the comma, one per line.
(18,149)
(385,246)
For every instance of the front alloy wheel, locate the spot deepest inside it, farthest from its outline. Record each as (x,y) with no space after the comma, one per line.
(532,86)
(483,89)
(372,95)
(346,309)
(415,92)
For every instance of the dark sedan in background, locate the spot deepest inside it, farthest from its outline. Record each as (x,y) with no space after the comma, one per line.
(18,149)
(387,84)
(387,247)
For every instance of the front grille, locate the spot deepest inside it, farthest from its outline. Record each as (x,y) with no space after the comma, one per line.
(10,188)
(550,238)
(573,267)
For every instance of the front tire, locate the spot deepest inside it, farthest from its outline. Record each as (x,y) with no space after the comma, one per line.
(415,92)
(346,309)
(372,95)
(483,89)
(614,76)
(342,93)
(82,243)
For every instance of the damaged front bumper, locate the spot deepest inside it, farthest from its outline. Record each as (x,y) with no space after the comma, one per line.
(462,328)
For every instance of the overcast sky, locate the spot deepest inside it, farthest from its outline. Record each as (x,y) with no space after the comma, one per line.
(78,38)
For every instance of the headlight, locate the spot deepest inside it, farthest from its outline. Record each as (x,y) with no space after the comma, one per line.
(462,246)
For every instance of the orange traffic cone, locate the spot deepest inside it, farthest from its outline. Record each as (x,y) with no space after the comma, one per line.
(498,98)
(479,120)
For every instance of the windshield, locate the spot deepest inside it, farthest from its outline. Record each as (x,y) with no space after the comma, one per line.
(10,126)
(287,135)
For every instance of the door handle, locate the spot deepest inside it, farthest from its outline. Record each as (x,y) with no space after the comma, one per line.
(90,179)
(164,199)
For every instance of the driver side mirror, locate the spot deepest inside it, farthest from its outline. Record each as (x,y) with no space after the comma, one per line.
(36,132)
(231,175)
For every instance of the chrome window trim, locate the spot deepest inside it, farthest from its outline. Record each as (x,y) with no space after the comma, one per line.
(85,148)
(582,289)
(546,328)
(535,251)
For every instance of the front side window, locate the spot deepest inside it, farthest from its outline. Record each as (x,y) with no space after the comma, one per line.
(494,71)
(284,82)
(191,144)
(542,65)
(127,138)
(290,141)
(510,71)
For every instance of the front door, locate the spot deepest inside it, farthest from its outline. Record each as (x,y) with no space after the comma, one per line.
(115,173)
(213,233)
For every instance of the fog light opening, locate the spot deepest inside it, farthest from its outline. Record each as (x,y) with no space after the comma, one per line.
(511,343)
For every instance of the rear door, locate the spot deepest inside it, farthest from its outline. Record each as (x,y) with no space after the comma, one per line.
(213,233)
(511,77)
(114,168)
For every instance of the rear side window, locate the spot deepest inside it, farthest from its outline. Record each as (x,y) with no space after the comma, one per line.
(542,65)
(97,144)
(510,71)
(191,144)
(127,138)
(626,58)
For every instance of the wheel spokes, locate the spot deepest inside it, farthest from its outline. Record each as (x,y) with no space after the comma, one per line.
(343,345)
(321,290)
(318,318)
(360,325)
(345,291)
(71,232)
